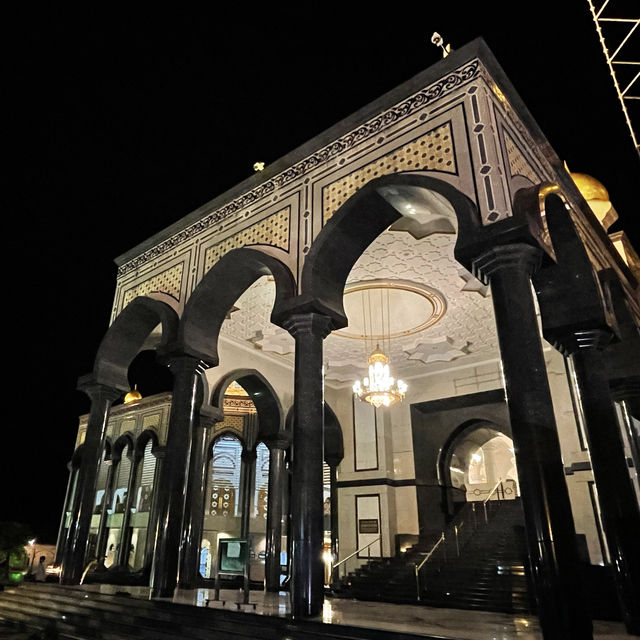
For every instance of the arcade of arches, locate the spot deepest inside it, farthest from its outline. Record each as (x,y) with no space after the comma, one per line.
(425,243)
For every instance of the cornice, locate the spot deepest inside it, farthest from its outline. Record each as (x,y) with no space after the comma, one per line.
(434,91)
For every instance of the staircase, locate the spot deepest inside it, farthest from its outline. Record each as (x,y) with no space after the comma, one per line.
(51,611)
(484,570)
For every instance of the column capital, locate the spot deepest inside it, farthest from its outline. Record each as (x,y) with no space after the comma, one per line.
(521,256)
(308,323)
(625,388)
(210,415)
(96,390)
(573,341)
(182,362)
(280,440)
(160,452)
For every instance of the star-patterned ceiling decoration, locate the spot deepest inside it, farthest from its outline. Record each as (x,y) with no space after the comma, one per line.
(465,333)
(472,283)
(440,349)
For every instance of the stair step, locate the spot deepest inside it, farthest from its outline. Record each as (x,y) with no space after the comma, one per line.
(488,571)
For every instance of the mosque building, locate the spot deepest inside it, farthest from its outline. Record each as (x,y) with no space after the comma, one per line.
(411,338)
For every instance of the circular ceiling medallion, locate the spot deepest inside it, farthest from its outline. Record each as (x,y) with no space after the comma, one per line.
(386,309)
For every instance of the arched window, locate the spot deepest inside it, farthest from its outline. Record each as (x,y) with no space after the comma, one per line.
(116,508)
(222,508)
(141,506)
(224,477)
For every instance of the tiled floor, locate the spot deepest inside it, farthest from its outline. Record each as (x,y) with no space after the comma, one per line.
(446,623)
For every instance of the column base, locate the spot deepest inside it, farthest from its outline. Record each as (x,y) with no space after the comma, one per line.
(166,592)
(186,585)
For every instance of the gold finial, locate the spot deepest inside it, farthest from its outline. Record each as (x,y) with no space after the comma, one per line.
(436,39)
(133,396)
(258,166)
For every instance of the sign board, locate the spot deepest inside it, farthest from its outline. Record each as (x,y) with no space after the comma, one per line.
(368,525)
(233,560)
(233,555)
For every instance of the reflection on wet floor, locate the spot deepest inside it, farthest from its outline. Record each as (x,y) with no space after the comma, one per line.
(421,620)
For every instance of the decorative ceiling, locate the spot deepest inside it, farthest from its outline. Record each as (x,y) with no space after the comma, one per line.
(437,311)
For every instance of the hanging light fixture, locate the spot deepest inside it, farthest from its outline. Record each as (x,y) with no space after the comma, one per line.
(380,388)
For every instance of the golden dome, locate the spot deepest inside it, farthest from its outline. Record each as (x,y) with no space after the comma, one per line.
(133,396)
(597,196)
(589,187)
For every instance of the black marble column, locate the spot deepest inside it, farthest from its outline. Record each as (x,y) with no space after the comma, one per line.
(275,511)
(122,559)
(172,487)
(62,538)
(307,509)
(246,490)
(616,496)
(192,520)
(551,537)
(334,512)
(150,544)
(101,543)
(74,557)
(623,361)
(628,397)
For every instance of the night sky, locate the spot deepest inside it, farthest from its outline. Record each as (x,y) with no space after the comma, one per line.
(118,124)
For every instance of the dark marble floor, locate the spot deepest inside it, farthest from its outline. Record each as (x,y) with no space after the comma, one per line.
(447,623)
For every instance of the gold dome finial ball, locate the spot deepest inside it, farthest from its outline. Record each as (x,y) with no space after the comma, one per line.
(133,396)
(594,192)
(589,187)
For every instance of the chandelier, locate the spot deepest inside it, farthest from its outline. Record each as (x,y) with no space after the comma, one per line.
(380,388)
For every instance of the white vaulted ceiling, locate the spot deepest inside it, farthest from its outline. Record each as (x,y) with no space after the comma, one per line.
(422,270)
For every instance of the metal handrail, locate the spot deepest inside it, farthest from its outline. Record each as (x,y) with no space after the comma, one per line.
(484,502)
(357,551)
(492,491)
(424,561)
(428,555)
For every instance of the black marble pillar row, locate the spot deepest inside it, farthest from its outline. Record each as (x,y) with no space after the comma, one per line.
(307,509)
(616,496)
(551,537)
(101,544)
(74,557)
(173,480)
(277,481)
(194,507)
(122,560)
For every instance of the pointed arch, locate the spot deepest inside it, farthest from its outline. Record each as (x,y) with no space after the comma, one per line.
(126,439)
(126,336)
(356,224)
(220,287)
(263,396)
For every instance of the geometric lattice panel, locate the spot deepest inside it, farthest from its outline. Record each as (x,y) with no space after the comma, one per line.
(273,231)
(433,150)
(168,282)
(231,423)
(151,421)
(518,165)
(127,425)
